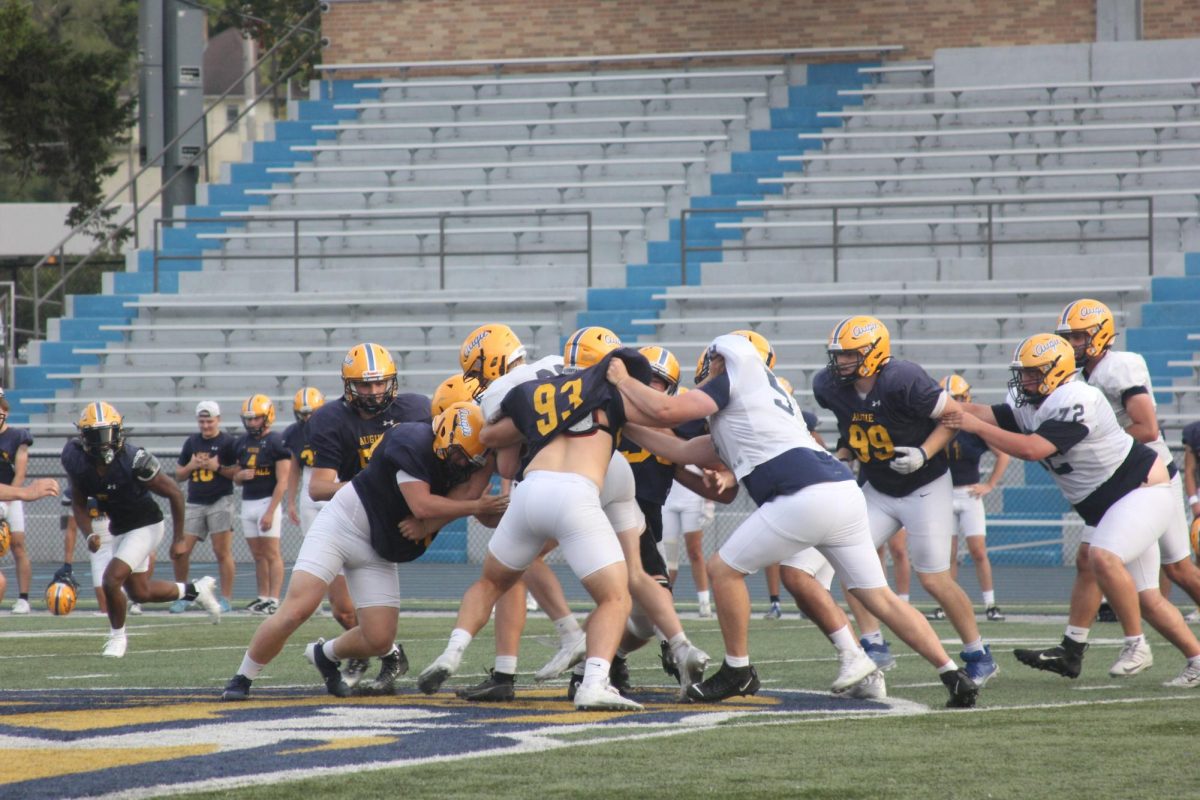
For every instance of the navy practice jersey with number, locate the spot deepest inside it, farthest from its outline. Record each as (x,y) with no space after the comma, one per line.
(964,452)
(207,486)
(295,436)
(260,455)
(566,404)
(120,495)
(895,413)
(342,440)
(407,448)
(11,440)
(653,475)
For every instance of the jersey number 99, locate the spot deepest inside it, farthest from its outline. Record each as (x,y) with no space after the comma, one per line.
(871,442)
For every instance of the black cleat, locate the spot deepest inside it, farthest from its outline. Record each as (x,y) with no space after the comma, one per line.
(726,682)
(391,667)
(573,686)
(668,660)
(238,688)
(354,670)
(496,688)
(1066,659)
(936,614)
(963,690)
(618,676)
(330,670)
(994,614)
(1106,613)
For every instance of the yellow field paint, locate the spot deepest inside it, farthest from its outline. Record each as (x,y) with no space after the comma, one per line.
(32,764)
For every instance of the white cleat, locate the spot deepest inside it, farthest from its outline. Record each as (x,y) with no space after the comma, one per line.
(1194,616)
(206,597)
(134,609)
(530,603)
(705,611)
(855,666)
(1188,679)
(433,676)
(115,646)
(570,652)
(691,668)
(603,698)
(872,687)
(21,606)
(1134,658)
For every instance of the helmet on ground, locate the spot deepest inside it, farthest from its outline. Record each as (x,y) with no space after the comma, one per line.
(60,598)
(5,537)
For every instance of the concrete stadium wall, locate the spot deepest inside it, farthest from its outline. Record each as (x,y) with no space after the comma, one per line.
(414,30)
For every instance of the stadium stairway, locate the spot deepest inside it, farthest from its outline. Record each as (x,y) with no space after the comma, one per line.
(616,308)
(79,327)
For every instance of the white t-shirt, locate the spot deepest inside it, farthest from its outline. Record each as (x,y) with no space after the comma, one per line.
(497,390)
(1114,375)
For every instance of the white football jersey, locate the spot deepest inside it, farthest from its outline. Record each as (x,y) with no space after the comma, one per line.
(761,419)
(1098,456)
(1120,370)
(497,390)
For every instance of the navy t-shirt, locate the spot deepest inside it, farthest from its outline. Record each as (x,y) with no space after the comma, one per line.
(260,454)
(408,448)
(205,486)
(11,440)
(342,440)
(120,495)
(895,413)
(964,452)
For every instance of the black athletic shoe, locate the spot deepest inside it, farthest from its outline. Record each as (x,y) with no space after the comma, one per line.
(618,676)
(994,614)
(238,688)
(726,682)
(391,667)
(936,614)
(1065,659)
(668,660)
(1106,613)
(496,688)
(963,690)
(330,670)
(576,679)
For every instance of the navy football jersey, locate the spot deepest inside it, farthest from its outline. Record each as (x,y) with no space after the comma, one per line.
(92,506)
(964,452)
(260,454)
(120,495)
(895,413)
(295,436)
(1191,440)
(653,475)
(408,448)
(206,486)
(11,440)
(342,440)
(810,419)
(566,404)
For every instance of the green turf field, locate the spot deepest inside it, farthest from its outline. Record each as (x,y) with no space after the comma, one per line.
(1034,734)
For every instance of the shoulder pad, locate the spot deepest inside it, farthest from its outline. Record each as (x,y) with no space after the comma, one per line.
(145,466)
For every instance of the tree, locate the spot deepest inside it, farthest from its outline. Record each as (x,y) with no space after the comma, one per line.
(266,21)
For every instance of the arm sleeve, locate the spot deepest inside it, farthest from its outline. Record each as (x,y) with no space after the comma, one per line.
(26,438)
(1133,391)
(718,389)
(1005,417)
(1063,435)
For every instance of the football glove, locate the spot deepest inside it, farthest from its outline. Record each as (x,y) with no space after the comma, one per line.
(908,460)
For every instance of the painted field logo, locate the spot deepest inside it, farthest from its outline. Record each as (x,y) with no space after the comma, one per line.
(144,743)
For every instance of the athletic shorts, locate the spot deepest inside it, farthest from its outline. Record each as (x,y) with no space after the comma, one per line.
(253,511)
(216,517)
(136,546)
(969,516)
(831,517)
(309,509)
(815,564)
(928,515)
(1131,528)
(14,512)
(340,541)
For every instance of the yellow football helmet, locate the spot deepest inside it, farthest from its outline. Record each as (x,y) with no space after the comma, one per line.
(457,430)
(256,407)
(488,352)
(957,387)
(455,389)
(765,351)
(60,598)
(369,363)
(864,335)
(101,431)
(306,401)
(1090,317)
(587,346)
(701,366)
(5,537)
(663,364)
(1047,356)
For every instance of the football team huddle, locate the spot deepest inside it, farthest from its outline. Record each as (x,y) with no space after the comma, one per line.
(582,453)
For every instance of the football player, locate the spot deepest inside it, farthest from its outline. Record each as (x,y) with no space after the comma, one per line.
(887,413)
(568,425)
(101,464)
(302,509)
(805,498)
(1191,468)
(14,458)
(263,462)
(99,544)
(1120,487)
(342,435)
(964,452)
(421,476)
(208,461)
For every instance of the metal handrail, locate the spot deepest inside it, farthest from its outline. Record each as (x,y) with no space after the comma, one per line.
(150,163)
(295,256)
(836,243)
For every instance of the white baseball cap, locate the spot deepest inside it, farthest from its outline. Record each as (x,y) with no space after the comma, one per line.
(208,408)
